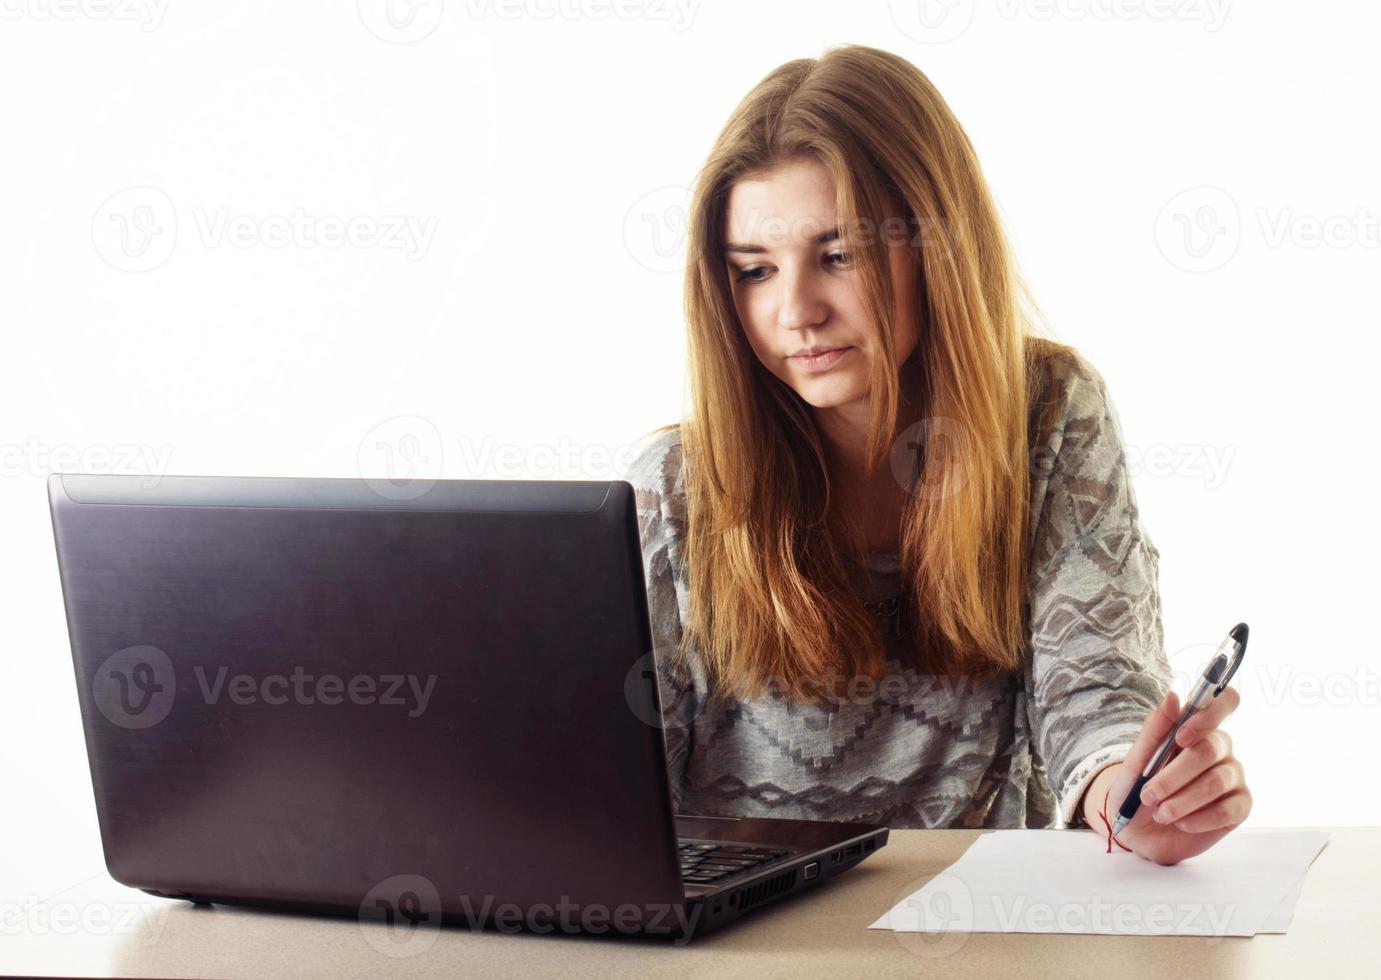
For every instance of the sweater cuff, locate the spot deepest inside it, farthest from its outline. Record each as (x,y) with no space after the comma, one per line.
(1083,774)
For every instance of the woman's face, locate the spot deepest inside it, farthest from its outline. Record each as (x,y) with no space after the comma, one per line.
(795,288)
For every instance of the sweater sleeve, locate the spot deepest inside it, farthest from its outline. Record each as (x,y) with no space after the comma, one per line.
(655,475)
(1097,666)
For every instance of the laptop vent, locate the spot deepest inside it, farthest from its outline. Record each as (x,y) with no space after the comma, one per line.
(764,890)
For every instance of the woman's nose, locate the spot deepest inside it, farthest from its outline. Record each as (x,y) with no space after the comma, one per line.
(800,303)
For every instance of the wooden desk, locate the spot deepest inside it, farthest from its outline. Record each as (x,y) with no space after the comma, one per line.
(1336,933)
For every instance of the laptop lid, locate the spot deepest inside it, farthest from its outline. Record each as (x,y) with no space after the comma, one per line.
(303,691)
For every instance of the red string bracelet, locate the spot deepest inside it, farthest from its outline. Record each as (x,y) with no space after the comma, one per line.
(1104,814)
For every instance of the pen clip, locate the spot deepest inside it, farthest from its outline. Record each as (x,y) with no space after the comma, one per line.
(1240,630)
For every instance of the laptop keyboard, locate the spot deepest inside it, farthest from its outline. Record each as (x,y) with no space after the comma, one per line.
(706,862)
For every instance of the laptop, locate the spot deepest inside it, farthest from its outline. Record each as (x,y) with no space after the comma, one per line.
(419,703)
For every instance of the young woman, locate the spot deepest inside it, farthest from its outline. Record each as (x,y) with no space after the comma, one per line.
(903,581)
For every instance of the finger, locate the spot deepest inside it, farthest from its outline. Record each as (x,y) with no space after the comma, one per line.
(1213,783)
(1208,718)
(1225,812)
(1212,749)
(1156,726)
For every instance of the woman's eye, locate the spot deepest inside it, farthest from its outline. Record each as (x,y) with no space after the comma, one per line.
(841,260)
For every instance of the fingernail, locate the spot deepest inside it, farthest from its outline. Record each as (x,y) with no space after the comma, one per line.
(1161,816)
(1149,798)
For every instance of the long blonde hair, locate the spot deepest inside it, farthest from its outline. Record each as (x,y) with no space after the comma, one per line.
(772,600)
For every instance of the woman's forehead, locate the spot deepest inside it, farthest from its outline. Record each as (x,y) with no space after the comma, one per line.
(779,210)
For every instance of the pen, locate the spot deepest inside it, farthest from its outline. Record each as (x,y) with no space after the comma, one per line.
(1211,684)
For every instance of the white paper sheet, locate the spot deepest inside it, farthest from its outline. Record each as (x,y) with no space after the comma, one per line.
(1061,881)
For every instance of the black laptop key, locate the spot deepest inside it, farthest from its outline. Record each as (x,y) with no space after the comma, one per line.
(736,859)
(706,863)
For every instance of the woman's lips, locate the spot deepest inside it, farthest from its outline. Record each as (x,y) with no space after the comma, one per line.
(821,362)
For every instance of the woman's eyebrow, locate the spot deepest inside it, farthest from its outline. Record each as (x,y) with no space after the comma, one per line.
(820,239)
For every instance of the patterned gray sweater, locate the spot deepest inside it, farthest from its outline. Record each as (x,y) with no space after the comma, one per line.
(1013,751)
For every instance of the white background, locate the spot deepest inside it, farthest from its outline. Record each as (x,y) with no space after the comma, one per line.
(1164,171)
